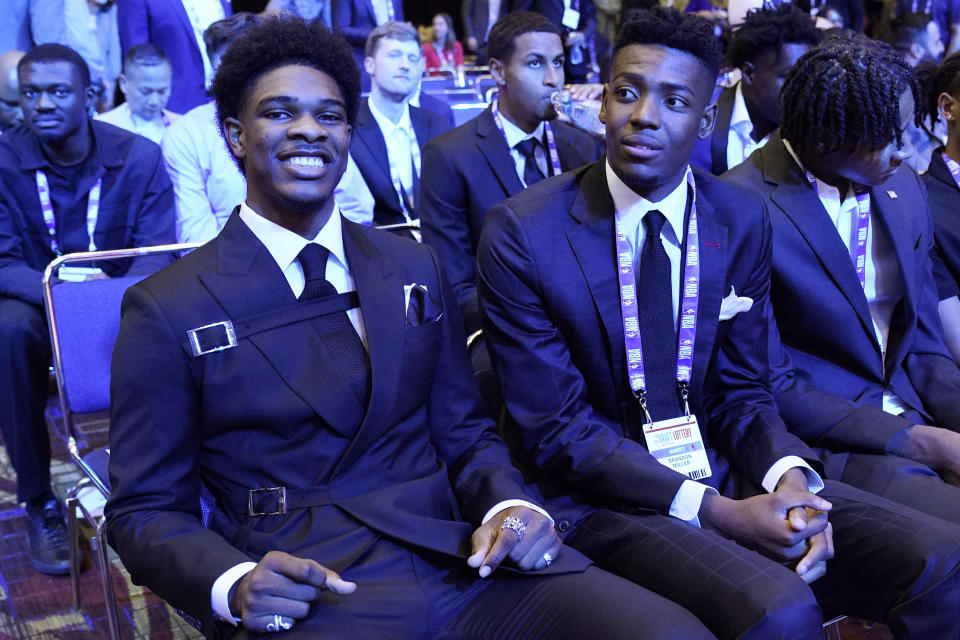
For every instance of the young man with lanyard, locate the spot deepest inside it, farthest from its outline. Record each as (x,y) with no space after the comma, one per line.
(390,133)
(67,183)
(513,144)
(359,490)
(145,83)
(625,311)
(863,370)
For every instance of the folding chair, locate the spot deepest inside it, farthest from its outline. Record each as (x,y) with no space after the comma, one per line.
(84,318)
(466,111)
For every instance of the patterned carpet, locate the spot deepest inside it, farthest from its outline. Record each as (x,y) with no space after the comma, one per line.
(34,606)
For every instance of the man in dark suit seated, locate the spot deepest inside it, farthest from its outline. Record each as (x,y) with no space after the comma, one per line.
(67,184)
(644,398)
(359,490)
(764,48)
(390,133)
(865,371)
(484,161)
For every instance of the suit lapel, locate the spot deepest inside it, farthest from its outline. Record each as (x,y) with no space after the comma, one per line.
(713,274)
(593,245)
(369,135)
(494,148)
(380,288)
(798,201)
(248,282)
(721,132)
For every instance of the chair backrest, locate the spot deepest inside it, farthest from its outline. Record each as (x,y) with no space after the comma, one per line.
(464,112)
(434,84)
(83,318)
(457,96)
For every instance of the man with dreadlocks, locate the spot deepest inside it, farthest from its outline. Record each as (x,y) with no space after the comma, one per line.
(852,287)
(764,48)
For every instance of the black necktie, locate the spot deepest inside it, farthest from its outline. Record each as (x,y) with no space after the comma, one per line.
(657,333)
(531,170)
(335,329)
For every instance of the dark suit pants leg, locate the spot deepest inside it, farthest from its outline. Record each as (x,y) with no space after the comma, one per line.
(736,592)
(905,481)
(892,563)
(25,349)
(402,595)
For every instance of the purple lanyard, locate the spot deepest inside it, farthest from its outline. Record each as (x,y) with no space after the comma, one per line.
(551,142)
(689,306)
(859,229)
(46,206)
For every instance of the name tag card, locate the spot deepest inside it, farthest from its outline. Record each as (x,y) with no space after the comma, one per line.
(676,443)
(571,18)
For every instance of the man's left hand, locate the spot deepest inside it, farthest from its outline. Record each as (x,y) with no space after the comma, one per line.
(492,543)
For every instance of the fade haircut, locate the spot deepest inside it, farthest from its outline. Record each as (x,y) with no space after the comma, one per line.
(667,27)
(908,29)
(222,33)
(144,55)
(276,42)
(765,29)
(946,79)
(502,39)
(402,31)
(845,95)
(52,52)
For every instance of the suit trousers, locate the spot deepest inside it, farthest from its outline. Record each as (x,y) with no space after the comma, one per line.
(25,345)
(892,564)
(401,594)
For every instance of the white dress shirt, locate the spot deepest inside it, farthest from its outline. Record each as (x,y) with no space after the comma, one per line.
(514,135)
(630,209)
(883,284)
(151,129)
(400,139)
(285,245)
(207,185)
(740,142)
(383,10)
(92,32)
(203,13)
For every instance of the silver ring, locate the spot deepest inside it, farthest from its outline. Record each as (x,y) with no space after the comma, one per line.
(516,525)
(547,558)
(279,624)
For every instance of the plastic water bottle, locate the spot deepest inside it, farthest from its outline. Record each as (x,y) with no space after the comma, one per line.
(583,114)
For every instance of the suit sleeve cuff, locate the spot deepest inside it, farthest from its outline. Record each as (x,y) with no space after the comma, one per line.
(784,464)
(686,504)
(506,504)
(220,592)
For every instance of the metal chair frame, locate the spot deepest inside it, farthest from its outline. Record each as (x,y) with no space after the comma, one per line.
(73,438)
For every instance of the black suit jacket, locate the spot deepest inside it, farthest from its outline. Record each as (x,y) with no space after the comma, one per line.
(824,321)
(476,15)
(944,200)
(467,171)
(420,465)
(355,19)
(369,151)
(549,293)
(711,154)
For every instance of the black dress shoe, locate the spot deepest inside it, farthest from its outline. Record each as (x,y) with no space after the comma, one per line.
(47,531)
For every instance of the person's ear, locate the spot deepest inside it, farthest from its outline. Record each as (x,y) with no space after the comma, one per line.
(90,95)
(496,70)
(746,73)
(369,65)
(915,52)
(948,107)
(603,104)
(707,122)
(233,131)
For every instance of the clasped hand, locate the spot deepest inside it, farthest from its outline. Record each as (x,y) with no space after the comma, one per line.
(492,544)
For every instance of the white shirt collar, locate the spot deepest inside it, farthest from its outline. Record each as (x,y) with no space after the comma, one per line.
(740,118)
(387,127)
(515,134)
(631,207)
(285,245)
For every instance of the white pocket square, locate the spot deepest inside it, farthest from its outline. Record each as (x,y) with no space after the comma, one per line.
(733,304)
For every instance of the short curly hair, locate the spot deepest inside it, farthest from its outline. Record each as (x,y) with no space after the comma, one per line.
(669,28)
(276,42)
(845,95)
(502,40)
(765,29)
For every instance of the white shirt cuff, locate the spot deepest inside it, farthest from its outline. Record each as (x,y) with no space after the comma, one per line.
(220,592)
(506,504)
(686,504)
(772,478)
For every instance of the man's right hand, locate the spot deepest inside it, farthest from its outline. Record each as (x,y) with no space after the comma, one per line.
(769,524)
(935,447)
(284,585)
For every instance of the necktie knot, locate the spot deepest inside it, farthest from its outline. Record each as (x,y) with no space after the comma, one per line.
(313,259)
(527,148)
(653,223)
(531,169)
